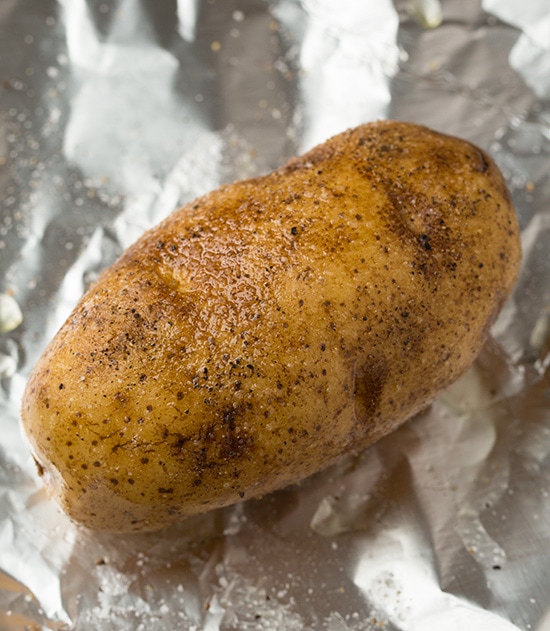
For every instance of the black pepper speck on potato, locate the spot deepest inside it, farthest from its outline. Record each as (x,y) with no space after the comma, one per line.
(266,329)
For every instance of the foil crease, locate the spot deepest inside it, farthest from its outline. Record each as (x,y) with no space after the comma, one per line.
(114,112)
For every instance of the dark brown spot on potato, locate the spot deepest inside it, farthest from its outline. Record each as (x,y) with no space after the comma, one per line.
(39,467)
(236,441)
(480,162)
(369,384)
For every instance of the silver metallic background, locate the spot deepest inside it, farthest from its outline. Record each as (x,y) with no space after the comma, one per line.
(114,112)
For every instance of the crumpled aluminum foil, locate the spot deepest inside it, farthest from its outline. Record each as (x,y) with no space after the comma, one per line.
(114,112)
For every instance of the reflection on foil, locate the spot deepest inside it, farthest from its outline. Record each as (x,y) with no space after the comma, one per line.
(348,55)
(522,151)
(530,54)
(112,114)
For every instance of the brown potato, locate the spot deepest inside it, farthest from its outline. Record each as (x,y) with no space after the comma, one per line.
(273,325)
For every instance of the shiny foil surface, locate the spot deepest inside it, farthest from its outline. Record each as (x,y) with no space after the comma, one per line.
(114,112)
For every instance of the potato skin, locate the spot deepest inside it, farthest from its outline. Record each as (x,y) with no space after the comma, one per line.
(264,330)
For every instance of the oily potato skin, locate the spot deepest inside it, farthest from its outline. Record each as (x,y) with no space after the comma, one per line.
(273,325)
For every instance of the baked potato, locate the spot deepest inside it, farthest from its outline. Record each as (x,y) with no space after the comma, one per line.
(264,330)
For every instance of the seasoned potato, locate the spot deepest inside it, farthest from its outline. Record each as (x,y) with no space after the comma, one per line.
(264,330)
